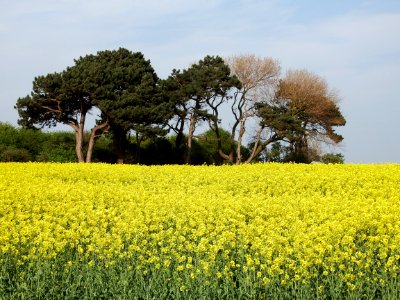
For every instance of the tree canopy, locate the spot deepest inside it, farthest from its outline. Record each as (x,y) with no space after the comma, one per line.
(202,86)
(120,83)
(293,112)
(303,109)
(258,77)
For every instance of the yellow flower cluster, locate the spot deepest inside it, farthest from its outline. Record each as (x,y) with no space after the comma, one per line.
(260,223)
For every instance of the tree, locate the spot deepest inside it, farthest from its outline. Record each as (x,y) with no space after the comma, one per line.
(130,97)
(52,102)
(202,86)
(212,145)
(303,110)
(66,98)
(258,77)
(120,83)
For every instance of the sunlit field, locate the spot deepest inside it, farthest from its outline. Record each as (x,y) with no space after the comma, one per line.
(262,231)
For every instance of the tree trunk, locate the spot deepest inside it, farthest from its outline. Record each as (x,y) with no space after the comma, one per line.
(188,151)
(179,136)
(237,110)
(79,129)
(90,146)
(119,143)
(239,141)
(215,127)
(78,144)
(139,140)
(93,135)
(260,146)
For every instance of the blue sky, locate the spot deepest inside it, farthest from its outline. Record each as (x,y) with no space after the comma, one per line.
(354,45)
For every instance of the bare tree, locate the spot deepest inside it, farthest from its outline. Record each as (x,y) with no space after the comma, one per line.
(259,77)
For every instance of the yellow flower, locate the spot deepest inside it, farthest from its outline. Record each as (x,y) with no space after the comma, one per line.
(266,221)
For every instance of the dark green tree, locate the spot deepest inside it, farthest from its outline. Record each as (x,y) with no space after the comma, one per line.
(197,92)
(67,98)
(120,83)
(129,96)
(53,101)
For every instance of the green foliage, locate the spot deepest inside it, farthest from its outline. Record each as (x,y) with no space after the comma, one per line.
(19,145)
(332,158)
(8,134)
(18,138)
(103,150)
(121,83)
(55,98)
(276,152)
(10,154)
(133,101)
(159,151)
(281,152)
(209,143)
(58,147)
(197,93)
(126,90)
(280,119)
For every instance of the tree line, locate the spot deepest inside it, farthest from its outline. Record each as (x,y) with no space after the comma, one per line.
(23,145)
(272,117)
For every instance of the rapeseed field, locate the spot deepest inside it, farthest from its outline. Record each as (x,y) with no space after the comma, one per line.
(259,231)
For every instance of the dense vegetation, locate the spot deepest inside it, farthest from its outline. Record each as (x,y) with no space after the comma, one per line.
(255,231)
(23,145)
(267,112)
